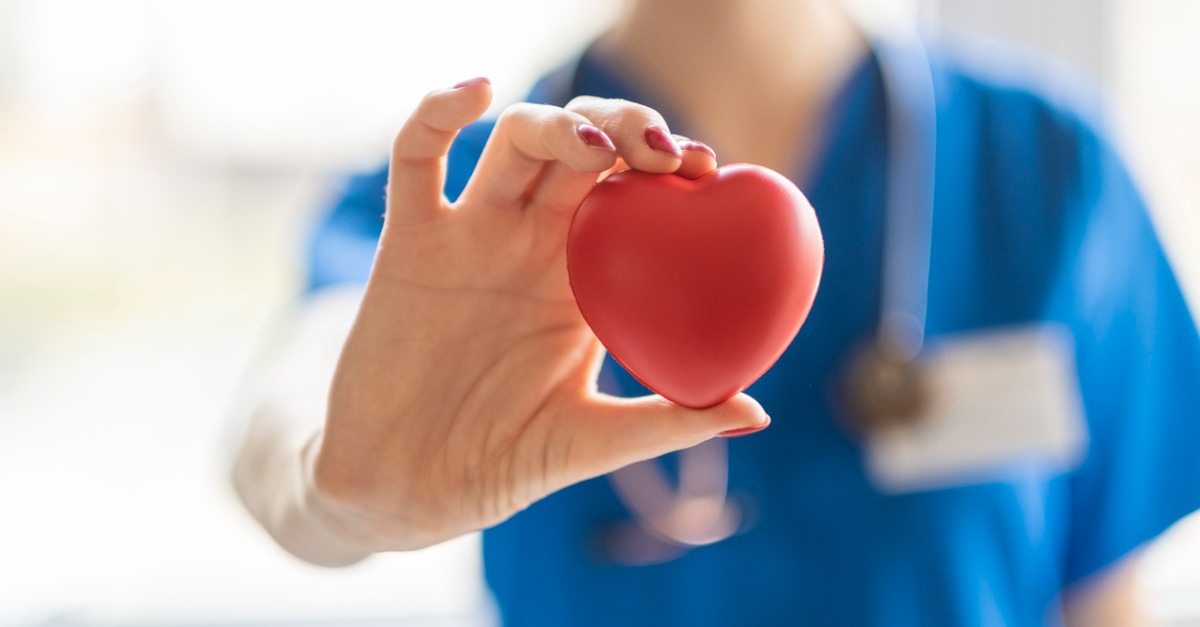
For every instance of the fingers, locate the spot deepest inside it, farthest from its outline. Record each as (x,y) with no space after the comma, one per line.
(559,189)
(527,137)
(698,158)
(544,156)
(562,190)
(516,166)
(638,131)
(610,433)
(417,170)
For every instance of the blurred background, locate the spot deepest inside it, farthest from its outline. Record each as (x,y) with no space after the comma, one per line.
(160,165)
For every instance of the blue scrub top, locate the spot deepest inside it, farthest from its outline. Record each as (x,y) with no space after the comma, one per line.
(1036,219)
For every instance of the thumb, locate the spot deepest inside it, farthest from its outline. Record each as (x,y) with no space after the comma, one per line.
(610,433)
(417,170)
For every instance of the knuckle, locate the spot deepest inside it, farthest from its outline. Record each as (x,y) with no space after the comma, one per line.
(516,113)
(427,107)
(566,121)
(403,142)
(632,117)
(406,143)
(614,113)
(582,103)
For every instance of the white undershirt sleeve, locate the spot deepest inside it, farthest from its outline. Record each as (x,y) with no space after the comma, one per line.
(287,395)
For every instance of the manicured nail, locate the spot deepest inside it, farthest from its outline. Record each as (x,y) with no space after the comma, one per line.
(698,146)
(659,139)
(470,82)
(595,137)
(737,433)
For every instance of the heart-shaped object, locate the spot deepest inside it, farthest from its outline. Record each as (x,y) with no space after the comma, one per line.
(695,286)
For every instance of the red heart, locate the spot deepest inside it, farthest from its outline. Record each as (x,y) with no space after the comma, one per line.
(696,286)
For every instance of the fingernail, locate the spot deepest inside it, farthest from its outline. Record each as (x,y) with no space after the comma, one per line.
(737,433)
(470,82)
(595,137)
(659,139)
(698,146)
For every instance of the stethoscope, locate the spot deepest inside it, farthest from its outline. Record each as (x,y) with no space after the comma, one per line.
(883,384)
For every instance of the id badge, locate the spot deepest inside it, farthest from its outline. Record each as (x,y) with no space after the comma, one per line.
(1002,402)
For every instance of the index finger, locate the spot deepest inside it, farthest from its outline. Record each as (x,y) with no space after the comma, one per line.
(639,132)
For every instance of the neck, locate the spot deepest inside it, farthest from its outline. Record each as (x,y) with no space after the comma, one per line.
(752,76)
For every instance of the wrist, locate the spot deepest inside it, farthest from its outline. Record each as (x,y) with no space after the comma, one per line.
(273,477)
(336,531)
(356,514)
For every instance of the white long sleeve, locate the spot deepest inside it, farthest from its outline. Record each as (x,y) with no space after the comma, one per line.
(287,398)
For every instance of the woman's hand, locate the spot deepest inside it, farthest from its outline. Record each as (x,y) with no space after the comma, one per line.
(466,389)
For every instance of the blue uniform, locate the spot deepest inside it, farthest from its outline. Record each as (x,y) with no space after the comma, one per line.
(1035,219)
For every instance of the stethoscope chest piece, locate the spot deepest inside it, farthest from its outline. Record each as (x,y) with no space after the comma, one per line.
(882,388)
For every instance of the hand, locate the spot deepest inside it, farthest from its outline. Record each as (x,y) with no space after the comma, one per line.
(466,389)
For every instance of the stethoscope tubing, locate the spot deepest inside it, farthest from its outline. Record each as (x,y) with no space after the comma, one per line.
(911,177)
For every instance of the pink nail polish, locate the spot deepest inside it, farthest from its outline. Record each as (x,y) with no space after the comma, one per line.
(737,433)
(471,82)
(659,139)
(595,137)
(699,147)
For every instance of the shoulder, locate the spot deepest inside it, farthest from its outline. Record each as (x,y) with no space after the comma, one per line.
(1027,168)
(1037,128)
(1009,80)
(1020,102)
